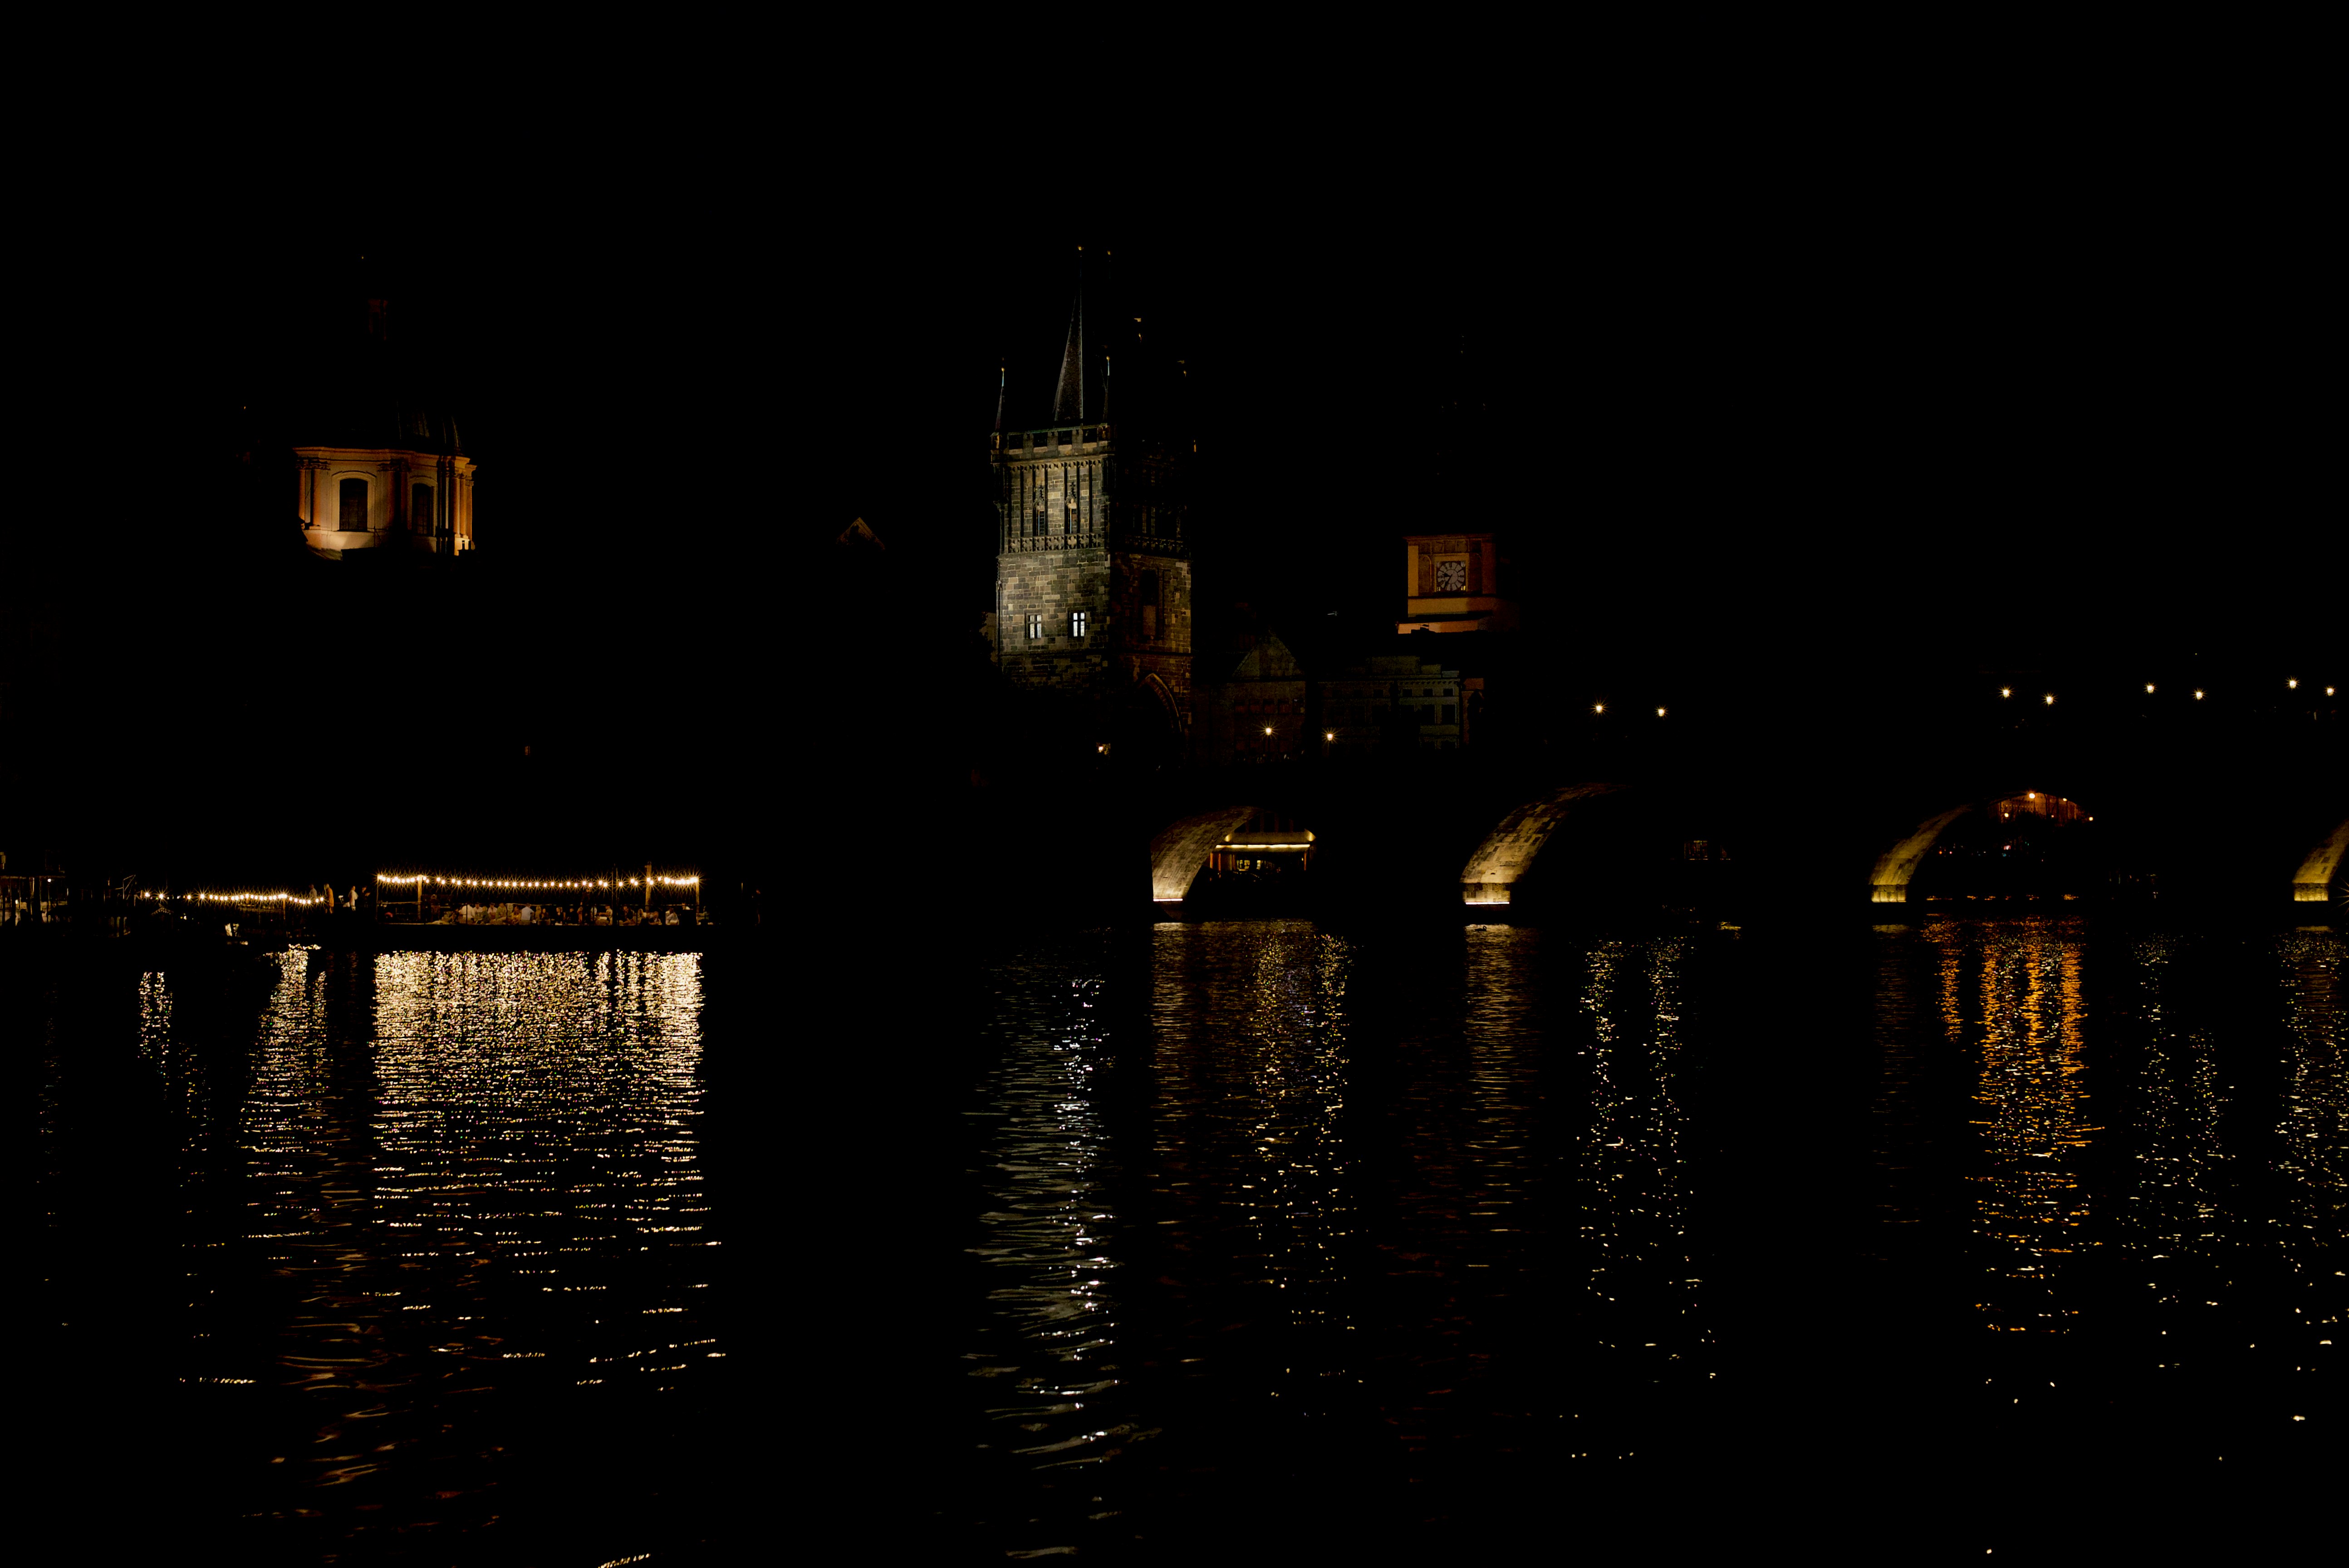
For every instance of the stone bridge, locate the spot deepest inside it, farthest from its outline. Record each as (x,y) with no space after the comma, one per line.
(1819,843)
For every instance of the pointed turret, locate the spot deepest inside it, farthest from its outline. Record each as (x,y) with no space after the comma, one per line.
(1068,399)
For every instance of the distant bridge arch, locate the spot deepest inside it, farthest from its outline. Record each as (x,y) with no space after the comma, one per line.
(1896,868)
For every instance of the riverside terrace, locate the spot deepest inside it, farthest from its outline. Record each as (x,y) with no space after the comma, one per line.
(404,910)
(438,898)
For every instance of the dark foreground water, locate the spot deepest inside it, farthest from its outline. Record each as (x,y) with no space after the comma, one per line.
(1258,1239)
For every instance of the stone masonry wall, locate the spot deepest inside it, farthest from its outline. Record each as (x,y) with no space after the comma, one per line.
(1114,654)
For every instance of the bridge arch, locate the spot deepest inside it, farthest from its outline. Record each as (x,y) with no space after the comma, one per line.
(1896,868)
(1181,850)
(1502,862)
(2313,882)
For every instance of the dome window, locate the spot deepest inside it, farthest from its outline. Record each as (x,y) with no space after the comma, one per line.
(354,506)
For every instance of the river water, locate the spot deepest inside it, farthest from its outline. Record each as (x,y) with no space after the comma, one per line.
(1257,1238)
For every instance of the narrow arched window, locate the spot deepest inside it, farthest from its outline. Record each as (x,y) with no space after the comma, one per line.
(354,506)
(1148,596)
(420,508)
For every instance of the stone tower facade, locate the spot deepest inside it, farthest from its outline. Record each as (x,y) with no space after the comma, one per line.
(1092,576)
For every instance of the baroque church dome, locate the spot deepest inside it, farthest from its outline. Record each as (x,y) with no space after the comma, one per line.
(376,447)
(374,389)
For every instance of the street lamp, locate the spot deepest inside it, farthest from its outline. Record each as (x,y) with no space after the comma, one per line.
(2006,691)
(2148,688)
(2049,700)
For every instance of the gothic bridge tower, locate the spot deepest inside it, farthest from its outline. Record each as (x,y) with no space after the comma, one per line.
(1093,574)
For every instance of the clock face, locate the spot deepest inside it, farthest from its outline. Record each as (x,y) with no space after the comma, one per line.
(1452,577)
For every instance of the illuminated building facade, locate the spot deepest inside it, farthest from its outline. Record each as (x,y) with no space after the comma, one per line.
(1092,578)
(1399,703)
(1272,707)
(377,462)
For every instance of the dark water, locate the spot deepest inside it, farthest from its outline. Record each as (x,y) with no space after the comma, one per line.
(409,1258)
(1963,1235)
(1246,1240)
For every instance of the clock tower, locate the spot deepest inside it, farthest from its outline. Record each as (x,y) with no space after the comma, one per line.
(1451,583)
(1092,567)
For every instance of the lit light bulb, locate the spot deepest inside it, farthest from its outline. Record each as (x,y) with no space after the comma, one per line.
(1660,713)
(2197,696)
(1598,707)
(2292,685)
(2006,691)
(2050,699)
(2148,688)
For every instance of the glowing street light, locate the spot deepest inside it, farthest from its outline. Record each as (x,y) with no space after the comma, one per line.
(2148,688)
(2049,700)
(2197,696)
(2292,685)
(1598,707)
(1328,735)
(1660,713)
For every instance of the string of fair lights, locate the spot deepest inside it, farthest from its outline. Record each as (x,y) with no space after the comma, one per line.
(526,884)
(418,879)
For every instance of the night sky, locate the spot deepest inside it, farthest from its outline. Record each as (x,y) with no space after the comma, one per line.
(1747,409)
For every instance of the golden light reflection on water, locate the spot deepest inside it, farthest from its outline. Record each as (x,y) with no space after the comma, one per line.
(2315,1111)
(1634,1219)
(2171,1208)
(2032,1088)
(1255,1098)
(2011,993)
(456,1170)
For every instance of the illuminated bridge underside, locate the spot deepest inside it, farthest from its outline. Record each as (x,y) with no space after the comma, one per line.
(1888,884)
(1506,855)
(1178,852)
(2313,882)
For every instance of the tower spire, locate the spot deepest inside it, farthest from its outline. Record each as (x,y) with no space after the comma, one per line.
(1069,401)
(1002,379)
